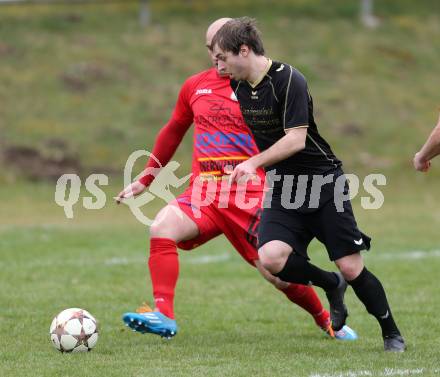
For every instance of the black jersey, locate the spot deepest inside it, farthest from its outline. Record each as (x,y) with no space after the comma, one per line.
(279,102)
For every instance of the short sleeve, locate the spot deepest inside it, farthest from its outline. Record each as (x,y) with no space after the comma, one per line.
(295,104)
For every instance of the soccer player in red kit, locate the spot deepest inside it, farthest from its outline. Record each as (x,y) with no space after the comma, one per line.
(221,141)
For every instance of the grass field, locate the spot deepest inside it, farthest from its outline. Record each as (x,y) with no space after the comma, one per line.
(232,322)
(89,79)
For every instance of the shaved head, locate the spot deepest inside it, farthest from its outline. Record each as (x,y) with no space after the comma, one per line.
(214,28)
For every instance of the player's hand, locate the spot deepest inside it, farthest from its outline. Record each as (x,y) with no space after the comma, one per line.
(130,191)
(246,168)
(421,164)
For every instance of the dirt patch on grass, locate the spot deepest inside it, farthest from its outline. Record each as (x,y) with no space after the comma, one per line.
(48,162)
(80,77)
(34,165)
(350,129)
(6,49)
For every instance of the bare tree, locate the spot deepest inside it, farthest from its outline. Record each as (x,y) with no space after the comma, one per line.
(368,19)
(145,13)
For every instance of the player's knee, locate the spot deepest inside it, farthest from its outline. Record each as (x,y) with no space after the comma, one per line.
(271,262)
(160,231)
(350,266)
(273,255)
(171,222)
(268,276)
(266,260)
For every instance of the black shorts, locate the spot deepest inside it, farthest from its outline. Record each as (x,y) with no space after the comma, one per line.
(338,231)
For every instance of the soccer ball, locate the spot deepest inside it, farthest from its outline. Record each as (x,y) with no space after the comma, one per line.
(74,330)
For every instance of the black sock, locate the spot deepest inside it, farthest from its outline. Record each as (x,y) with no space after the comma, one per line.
(371,293)
(324,279)
(298,270)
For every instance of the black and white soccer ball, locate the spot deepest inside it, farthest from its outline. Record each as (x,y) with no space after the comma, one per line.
(74,330)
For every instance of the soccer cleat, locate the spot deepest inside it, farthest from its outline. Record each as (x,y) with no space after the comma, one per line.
(338,310)
(322,319)
(329,331)
(147,321)
(346,333)
(394,343)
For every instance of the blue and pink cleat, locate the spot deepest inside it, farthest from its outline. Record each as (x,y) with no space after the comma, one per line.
(147,321)
(346,333)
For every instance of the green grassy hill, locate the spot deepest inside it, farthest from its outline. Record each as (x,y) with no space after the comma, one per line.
(88,85)
(81,87)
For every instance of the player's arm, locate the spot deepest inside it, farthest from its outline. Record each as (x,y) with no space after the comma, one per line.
(430,149)
(165,145)
(293,142)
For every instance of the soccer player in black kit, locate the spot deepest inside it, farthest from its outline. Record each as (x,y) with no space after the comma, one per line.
(308,198)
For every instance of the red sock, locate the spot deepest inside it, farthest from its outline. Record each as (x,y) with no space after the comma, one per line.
(306,297)
(164,271)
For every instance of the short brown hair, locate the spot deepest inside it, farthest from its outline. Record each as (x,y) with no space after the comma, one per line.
(237,32)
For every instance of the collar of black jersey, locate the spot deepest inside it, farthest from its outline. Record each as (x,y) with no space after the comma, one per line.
(261,77)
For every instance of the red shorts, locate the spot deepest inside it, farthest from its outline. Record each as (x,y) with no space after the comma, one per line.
(238,223)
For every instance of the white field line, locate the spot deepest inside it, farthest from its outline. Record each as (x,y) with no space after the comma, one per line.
(413,254)
(206,259)
(385,372)
(199,259)
(115,261)
(202,259)
(121,261)
(216,258)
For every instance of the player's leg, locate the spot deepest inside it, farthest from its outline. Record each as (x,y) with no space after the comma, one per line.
(240,226)
(302,295)
(283,240)
(171,225)
(297,269)
(305,297)
(371,293)
(344,241)
(174,226)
